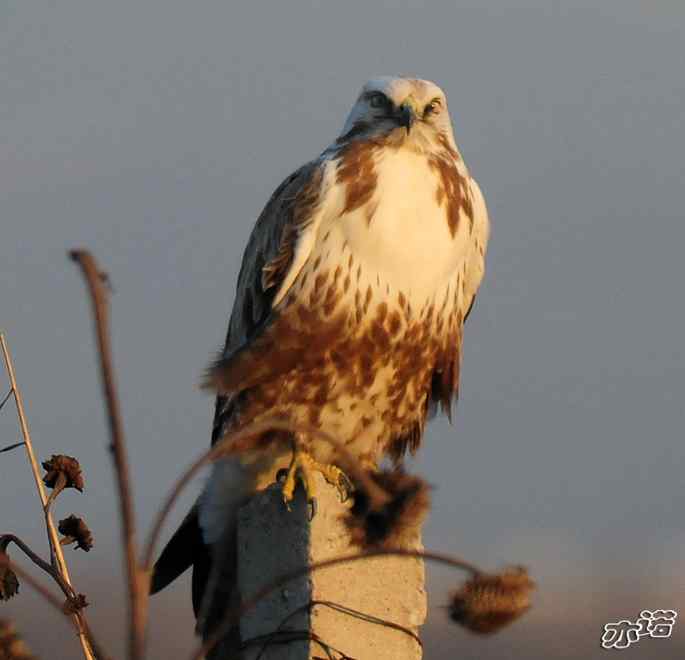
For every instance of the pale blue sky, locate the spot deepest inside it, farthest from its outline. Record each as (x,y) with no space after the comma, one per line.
(153,132)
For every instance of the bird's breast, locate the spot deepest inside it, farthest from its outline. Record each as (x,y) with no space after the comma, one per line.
(401,231)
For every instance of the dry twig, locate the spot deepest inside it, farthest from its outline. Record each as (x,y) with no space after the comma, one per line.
(56,554)
(401,497)
(137,582)
(11,447)
(238,441)
(6,398)
(6,539)
(94,644)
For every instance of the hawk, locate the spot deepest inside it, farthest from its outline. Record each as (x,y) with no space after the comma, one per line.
(348,316)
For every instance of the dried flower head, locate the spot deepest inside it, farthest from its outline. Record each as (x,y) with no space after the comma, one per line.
(9,585)
(73,605)
(377,523)
(12,647)
(61,468)
(75,530)
(488,602)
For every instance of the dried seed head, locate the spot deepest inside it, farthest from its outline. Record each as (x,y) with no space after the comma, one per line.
(73,605)
(488,602)
(12,647)
(9,585)
(74,529)
(390,522)
(67,466)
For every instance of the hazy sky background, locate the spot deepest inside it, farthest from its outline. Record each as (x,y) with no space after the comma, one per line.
(153,132)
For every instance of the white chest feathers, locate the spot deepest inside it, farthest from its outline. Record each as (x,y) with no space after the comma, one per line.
(401,233)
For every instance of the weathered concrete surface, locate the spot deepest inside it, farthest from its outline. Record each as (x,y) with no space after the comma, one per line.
(273,541)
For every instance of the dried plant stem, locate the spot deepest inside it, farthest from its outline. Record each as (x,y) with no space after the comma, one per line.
(37,586)
(11,447)
(67,590)
(137,581)
(223,448)
(233,443)
(6,399)
(57,604)
(56,554)
(233,616)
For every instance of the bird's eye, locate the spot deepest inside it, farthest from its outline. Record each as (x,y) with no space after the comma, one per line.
(378,100)
(433,108)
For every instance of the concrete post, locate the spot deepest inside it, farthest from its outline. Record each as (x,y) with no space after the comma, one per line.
(273,541)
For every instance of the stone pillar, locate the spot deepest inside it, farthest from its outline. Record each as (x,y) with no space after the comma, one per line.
(273,541)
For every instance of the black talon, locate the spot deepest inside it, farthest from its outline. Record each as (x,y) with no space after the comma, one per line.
(345,487)
(312,508)
(282,475)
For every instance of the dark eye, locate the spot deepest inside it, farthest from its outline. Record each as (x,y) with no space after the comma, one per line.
(378,100)
(433,108)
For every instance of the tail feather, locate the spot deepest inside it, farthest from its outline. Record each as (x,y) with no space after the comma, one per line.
(180,552)
(207,541)
(215,593)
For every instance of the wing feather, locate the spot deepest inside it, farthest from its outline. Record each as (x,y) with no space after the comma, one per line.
(445,381)
(479,242)
(279,246)
(269,253)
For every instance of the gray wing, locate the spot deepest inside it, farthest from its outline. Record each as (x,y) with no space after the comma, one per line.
(266,262)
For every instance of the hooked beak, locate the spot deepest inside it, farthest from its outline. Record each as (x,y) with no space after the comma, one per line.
(407,116)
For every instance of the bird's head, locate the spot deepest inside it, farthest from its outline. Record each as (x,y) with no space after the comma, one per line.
(406,110)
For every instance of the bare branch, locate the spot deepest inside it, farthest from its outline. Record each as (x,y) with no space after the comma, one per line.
(137,587)
(6,398)
(234,443)
(56,553)
(10,447)
(97,648)
(5,539)
(52,571)
(234,615)
(221,449)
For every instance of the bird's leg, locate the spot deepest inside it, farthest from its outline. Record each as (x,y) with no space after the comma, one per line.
(303,465)
(288,488)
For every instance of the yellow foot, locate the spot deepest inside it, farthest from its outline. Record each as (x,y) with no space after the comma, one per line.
(303,466)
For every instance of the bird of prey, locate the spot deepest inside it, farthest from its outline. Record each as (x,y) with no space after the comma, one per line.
(348,316)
